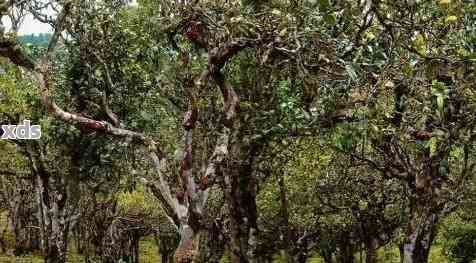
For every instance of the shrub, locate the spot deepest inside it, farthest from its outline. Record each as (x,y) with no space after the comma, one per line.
(459,242)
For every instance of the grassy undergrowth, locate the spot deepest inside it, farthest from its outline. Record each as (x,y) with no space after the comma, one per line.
(149,254)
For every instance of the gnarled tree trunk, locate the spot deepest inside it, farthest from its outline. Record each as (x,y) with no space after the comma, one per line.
(54,214)
(425,210)
(188,246)
(240,192)
(55,226)
(421,231)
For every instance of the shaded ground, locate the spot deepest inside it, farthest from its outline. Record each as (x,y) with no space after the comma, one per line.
(149,253)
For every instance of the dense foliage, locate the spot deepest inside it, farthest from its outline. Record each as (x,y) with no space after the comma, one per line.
(240,131)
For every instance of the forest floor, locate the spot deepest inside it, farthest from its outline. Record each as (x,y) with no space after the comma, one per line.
(149,253)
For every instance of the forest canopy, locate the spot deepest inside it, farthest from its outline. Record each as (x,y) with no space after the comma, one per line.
(244,131)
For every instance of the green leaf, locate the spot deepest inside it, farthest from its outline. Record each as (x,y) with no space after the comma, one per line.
(420,44)
(451,19)
(146,116)
(324,5)
(433,145)
(351,71)
(444,168)
(330,19)
(440,102)
(345,141)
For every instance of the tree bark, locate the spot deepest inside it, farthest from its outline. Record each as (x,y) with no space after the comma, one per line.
(346,255)
(167,244)
(421,231)
(371,251)
(22,222)
(241,197)
(425,208)
(56,231)
(187,249)
(346,249)
(212,244)
(402,253)
(52,209)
